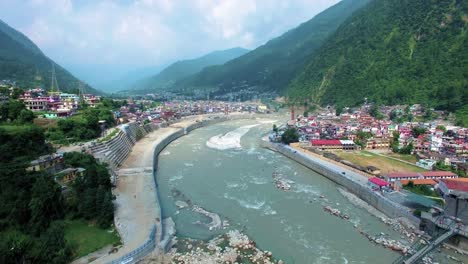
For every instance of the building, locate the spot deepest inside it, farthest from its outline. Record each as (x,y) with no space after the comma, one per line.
(377,183)
(426,163)
(378,143)
(398,176)
(419,182)
(332,144)
(91,99)
(68,175)
(36,104)
(455,192)
(49,163)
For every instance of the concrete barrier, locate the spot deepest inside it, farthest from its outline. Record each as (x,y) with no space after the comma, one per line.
(381,203)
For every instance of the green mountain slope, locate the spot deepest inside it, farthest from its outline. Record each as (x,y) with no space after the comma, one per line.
(393,51)
(184,68)
(21,60)
(270,67)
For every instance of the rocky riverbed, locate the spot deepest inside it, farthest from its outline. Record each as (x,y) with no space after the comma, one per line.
(232,247)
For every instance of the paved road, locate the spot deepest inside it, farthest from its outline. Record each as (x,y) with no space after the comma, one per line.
(349,173)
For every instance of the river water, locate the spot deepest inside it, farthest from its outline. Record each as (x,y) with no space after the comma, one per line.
(223,169)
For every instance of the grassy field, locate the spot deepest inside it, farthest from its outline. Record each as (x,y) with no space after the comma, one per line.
(405,157)
(86,238)
(386,165)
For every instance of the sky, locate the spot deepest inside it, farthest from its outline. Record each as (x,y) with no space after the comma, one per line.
(112,37)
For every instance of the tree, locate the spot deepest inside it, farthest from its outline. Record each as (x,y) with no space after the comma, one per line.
(14,109)
(290,136)
(393,115)
(395,144)
(442,128)
(408,149)
(46,203)
(15,246)
(461,116)
(339,110)
(375,112)
(417,131)
(25,116)
(53,247)
(106,216)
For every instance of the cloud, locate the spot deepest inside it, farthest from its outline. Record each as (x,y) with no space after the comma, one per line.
(151,32)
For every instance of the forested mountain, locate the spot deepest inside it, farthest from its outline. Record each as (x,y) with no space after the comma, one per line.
(22,61)
(273,65)
(393,51)
(184,68)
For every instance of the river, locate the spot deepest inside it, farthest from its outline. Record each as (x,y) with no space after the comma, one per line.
(223,169)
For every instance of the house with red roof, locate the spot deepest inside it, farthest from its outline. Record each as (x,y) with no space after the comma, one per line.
(332,144)
(398,176)
(377,183)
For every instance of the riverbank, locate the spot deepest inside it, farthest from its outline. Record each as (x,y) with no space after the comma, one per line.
(137,203)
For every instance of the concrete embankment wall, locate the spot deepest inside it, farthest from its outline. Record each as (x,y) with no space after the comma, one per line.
(116,150)
(379,202)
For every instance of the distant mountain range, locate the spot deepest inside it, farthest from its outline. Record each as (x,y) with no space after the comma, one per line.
(23,62)
(392,52)
(182,69)
(271,66)
(388,51)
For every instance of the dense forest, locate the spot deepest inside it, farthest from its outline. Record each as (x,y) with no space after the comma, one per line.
(393,52)
(23,62)
(272,65)
(33,208)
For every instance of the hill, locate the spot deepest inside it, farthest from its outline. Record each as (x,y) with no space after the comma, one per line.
(23,62)
(271,66)
(392,52)
(181,69)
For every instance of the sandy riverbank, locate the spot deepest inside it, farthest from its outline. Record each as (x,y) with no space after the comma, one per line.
(137,208)
(137,205)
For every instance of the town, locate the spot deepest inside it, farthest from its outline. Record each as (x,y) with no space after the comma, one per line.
(410,157)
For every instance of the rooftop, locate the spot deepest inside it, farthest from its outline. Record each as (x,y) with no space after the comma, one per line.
(329,142)
(419,182)
(438,173)
(456,184)
(378,181)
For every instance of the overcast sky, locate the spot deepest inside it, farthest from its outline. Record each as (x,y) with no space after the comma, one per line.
(137,33)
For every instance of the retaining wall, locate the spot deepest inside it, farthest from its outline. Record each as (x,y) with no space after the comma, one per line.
(376,200)
(115,151)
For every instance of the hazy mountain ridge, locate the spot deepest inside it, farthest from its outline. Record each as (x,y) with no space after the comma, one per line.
(392,51)
(272,65)
(21,60)
(181,69)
